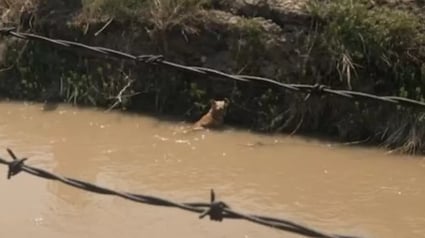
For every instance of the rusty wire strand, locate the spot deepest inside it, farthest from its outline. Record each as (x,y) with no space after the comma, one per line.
(159,60)
(216,210)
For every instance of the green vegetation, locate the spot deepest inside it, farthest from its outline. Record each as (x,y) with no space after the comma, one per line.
(376,49)
(365,45)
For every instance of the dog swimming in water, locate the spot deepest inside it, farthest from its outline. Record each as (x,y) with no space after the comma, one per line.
(214,117)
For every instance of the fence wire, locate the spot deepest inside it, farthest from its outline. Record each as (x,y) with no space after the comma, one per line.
(216,210)
(207,72)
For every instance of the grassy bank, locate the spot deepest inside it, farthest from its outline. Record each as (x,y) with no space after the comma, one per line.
(344,44)
(377,48)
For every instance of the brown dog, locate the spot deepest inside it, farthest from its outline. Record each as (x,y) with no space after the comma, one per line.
(214,117)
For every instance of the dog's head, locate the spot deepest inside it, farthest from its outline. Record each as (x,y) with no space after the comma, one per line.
(219,107)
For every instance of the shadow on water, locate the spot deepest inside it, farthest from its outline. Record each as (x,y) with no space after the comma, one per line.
(50,106)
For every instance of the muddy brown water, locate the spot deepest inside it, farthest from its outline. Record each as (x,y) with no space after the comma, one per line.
(355,191)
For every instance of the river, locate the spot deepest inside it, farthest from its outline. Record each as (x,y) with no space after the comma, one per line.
(334,188)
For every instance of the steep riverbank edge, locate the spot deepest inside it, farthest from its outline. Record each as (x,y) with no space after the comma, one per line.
(371,48)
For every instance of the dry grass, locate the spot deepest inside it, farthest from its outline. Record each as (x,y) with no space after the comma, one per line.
(158,16)
(163,14)
(121,9)
(166,14)
(405,132)
(10,10)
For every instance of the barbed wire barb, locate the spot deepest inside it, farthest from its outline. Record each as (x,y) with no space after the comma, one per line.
(216,210)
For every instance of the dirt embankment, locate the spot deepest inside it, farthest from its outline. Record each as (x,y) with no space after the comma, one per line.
(370,46)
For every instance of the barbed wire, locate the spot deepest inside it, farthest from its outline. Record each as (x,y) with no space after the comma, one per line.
(216,210)
(317,89)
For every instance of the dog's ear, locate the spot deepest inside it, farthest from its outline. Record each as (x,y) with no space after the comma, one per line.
(212,102)
(226,101)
